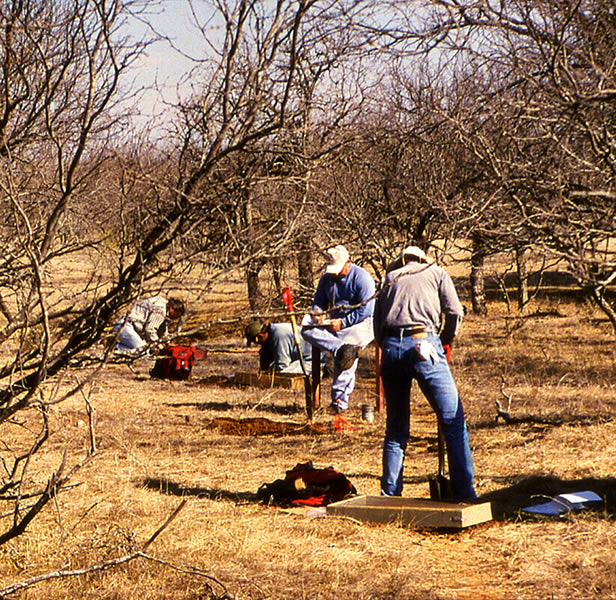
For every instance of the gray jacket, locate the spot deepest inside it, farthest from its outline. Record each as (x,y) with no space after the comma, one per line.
(418,294)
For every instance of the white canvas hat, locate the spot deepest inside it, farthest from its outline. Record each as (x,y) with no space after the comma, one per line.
(337,257)
(416,252)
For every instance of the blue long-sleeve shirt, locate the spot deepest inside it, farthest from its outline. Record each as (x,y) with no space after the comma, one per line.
(356,288)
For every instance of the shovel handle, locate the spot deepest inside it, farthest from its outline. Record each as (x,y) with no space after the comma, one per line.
(287,298)
(441,448)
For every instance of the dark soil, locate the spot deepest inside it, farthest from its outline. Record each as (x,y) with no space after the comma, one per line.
(260,426)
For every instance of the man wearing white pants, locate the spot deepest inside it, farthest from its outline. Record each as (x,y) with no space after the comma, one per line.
(345,296)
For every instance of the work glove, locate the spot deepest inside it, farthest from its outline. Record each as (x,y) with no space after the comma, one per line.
(447,349)
(427,351)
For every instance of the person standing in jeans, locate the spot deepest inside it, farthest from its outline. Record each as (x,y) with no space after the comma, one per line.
(413,301)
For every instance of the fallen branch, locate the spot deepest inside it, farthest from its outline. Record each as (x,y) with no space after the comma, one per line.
(509,420)
(500,411)
(111,564)
(170,518)
(121,560)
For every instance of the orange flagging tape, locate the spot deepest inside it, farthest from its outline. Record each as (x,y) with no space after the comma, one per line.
(341,423)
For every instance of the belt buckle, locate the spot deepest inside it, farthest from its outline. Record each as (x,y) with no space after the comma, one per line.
(418,332)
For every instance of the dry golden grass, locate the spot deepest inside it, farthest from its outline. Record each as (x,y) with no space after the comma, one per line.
(155,449)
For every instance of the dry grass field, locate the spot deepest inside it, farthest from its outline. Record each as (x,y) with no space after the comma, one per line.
(157,448)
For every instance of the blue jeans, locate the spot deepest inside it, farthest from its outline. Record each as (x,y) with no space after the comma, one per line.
(128,338)
(400,364)
(343,382)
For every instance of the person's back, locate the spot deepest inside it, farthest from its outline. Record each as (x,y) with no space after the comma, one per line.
(416,294)
(149,318)
(407,320)
(284,346)
(278,348)
(146,322)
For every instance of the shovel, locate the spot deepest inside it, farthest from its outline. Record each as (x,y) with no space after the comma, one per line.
(287,298)
(440,486)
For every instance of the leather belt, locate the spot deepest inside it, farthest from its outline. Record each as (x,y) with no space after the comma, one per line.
(416,331)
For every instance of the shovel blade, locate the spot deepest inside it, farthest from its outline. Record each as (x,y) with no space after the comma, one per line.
(440,488)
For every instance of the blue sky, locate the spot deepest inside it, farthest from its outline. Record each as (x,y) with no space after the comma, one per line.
(163,64)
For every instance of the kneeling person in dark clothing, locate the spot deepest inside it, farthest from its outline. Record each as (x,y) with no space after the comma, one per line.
(278,351)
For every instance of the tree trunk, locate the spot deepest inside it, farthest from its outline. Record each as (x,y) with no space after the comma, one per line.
(522,266)
(305,274)
(478,292)
(276,265)
(606,307)
(252,282)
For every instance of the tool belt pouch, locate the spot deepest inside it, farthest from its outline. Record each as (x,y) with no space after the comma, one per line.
(175,362)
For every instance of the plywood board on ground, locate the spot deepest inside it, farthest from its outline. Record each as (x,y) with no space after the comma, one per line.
(417,512)
(283,380)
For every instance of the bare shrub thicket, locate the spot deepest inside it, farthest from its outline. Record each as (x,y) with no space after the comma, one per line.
(308,123)
(541,126)
(61,84)
(88,227)
(261,126)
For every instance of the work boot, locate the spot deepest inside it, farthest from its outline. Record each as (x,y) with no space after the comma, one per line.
(346,356)
(334,408)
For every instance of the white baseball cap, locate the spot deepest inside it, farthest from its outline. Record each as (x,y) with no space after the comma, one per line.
(337,257)
(416,252)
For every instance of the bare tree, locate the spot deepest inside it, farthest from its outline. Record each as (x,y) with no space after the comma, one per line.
(61,68)
(268,86)
(543,126)
(406,178)
(261,123)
